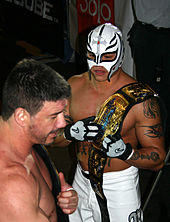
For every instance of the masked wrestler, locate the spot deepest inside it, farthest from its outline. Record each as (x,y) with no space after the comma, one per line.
(128,114)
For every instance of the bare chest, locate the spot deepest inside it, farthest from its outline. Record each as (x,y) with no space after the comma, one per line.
(46,199)
(87,103)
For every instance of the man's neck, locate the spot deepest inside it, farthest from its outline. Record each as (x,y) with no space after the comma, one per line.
(13,140)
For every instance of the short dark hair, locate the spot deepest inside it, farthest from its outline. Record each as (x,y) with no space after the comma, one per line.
(29,85)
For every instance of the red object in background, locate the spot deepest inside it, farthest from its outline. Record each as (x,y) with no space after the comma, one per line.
(91,13)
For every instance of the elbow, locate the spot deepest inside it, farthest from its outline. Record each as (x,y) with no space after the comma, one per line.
(161,163)
(158,167)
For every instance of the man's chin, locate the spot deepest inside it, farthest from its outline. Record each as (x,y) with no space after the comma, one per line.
(49,141)
(100,80)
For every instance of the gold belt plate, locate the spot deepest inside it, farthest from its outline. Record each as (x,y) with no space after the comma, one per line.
(110,116)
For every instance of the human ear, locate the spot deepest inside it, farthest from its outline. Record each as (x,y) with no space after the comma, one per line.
(21,116)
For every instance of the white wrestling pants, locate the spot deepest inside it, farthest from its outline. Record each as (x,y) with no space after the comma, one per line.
(121,189)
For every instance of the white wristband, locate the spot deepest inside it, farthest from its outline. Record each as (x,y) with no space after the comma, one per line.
(71,188)
(131,154)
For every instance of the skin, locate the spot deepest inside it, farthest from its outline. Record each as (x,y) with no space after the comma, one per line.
(141,125)
(25,181)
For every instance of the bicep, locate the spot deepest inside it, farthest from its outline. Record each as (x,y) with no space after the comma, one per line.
(19,201)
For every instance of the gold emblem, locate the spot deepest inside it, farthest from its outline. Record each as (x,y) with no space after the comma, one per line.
(110,116)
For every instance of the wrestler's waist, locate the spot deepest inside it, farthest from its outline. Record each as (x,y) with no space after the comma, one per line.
(118,172)
(112,165)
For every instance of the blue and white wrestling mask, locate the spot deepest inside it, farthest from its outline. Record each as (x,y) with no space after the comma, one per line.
(103,40)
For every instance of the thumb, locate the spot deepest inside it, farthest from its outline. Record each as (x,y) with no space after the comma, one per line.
(64,184)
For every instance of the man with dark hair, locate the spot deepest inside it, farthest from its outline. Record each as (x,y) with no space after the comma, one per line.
(33,104)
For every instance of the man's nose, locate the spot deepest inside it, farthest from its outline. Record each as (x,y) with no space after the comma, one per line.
(60,123)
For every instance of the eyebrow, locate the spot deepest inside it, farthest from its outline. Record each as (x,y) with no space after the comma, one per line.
(55,114)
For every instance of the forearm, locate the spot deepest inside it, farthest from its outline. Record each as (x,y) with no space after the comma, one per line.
(147,158)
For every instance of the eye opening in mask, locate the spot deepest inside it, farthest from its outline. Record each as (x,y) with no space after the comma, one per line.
(91,55)
(108,56)
(105,57)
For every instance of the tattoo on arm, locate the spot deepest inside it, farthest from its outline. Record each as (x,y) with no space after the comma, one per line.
(154,131)
(153,156)
(151,109)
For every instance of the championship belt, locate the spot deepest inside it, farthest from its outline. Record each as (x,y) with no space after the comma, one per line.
(110,117)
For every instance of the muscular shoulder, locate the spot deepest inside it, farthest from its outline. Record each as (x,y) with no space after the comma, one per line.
(149,109)
(148,116)
(16,178)
(18,190)
(146,122)
(147,112)
(77,81)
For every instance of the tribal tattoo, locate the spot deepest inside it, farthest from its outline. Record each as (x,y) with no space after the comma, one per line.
(151,109)
(154,131)
(152,156)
